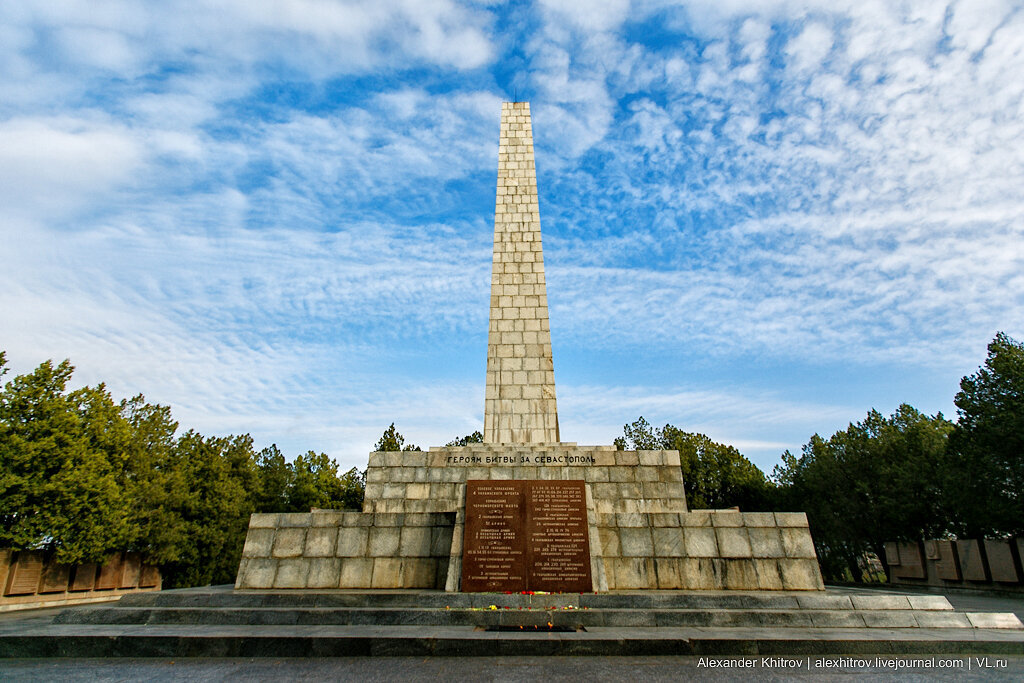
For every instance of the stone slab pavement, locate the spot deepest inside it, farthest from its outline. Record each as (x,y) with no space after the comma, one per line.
(514,669)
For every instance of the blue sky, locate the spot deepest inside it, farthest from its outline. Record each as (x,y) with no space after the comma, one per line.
(761,219)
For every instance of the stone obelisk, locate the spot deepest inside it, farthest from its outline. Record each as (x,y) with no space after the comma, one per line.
(520,401)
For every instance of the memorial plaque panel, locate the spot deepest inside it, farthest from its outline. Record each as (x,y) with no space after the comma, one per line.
(557,536)
(494,557)
(526,535)
(25,573)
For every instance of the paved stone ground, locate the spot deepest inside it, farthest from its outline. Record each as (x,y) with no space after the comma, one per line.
(504,669)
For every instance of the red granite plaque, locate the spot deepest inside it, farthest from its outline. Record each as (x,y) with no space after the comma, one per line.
(526,535)
(557,536)
(494,549)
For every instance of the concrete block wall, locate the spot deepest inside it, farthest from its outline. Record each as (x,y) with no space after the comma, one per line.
(708,551)
(335,549)
(621,481)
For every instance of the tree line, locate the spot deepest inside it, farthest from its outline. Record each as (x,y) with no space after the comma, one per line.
(82,475)
(905,477)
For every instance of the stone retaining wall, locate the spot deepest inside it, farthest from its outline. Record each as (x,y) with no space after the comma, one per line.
(334,549)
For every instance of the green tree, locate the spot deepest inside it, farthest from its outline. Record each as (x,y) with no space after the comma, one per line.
(714,475)
(391,440)
(986,476)
(475,437)
(214,507)
(878,480)
(275,478)
(63,458)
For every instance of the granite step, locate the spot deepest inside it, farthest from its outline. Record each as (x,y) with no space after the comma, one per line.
(439,599)
(531,617)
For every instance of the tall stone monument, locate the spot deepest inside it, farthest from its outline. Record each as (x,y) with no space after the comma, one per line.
(519,406)
(524,510)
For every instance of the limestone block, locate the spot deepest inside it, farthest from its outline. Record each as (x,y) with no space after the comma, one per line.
(374,475)
(419,572)
(263,520)
(387,572)
(388,519)
(650,457)
(700,519)
(668,542)
(356,572)
(765,541)
(700,542)
(355,519)
(667,573)
(647,474)
(320,541)
(352,541)
(627,458)
(739,574)
(929,602)
(604,505)
(415,542)
(383,541)
(726,519)
(292,573)
(393,490)
(634,573)
(800,575)
(700,574)
(797,542)
(671,459)
(596,475)
(759,519)
(294,519)
(414,459)
(733,542)
(257,573)
(621,474)
(769,576)
(994,620)
(796,519)
(403,474)
(324,572)
(258,542)
(376,459)
(417,491)
(374,491)
(635,542)
(394,458)
(631,519)
(664,519)
(289,542)
(326,517)
(673,474)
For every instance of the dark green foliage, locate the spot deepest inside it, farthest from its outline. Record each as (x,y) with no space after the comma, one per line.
(878,480)
(62,467)
(391,440)
(986,473)
(84,476)
(715,476)
(475,437)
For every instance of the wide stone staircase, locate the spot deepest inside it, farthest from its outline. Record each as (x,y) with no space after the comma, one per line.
(222,622)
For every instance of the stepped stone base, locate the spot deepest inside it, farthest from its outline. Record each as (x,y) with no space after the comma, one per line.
(220,622)
(642,536)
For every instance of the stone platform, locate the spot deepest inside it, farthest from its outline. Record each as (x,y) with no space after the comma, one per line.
(410,532)
(222,622)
